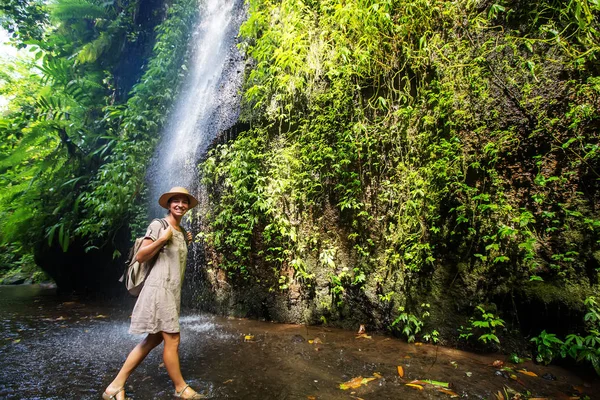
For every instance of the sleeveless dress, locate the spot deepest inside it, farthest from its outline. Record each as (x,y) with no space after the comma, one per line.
(158,305)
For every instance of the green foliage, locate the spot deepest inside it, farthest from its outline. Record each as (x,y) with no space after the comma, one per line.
(66,142)
(580,348)
(548,345)
(410,325)
(116,190)
(430,135)
(25,20)
(484,325)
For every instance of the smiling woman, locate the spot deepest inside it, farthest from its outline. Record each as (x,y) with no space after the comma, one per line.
(156,312)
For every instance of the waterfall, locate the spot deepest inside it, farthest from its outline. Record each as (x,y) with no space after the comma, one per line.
(209,101)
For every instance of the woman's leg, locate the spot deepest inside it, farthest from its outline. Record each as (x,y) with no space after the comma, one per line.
(171,359)
(134,359)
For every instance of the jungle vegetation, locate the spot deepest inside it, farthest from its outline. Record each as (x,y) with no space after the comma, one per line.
(424,166)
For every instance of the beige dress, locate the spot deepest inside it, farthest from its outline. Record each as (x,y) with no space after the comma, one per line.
(157,307)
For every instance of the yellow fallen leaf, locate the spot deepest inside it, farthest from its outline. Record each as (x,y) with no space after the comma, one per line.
(412,385)
(248,338)
(358,381)
(406,356)
(100,316)
(61,318)
(310,341)
(525,372)
(499,396)
(377,375)
(363,336)
(227,381)
(418,344)
(311,398)
(352,383)
(16,341)
(449,392)
(400,371)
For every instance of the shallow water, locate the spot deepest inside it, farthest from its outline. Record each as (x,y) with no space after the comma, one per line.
(57,348)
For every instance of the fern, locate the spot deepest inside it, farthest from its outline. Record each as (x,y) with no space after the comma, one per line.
(93,50)
(77,9)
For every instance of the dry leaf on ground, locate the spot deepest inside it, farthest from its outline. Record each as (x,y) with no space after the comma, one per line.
(525,372)
(449,392)
(358,382)
(414,386)
(400,371)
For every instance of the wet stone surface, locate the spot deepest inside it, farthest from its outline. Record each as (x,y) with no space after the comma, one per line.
(56,348)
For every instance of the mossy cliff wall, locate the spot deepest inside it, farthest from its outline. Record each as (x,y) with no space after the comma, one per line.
(428,155)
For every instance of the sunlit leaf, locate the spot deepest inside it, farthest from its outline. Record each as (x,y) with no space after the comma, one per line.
(448,392)
(352,383)
(415,386)
(525,372)
(400,371)
(437,383)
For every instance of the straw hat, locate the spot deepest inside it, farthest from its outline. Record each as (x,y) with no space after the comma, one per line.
(163,200)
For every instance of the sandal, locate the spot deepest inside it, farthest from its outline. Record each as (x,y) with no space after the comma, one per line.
(196,395)
(106,396)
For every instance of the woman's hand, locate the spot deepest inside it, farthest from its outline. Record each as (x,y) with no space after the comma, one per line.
(189,237)
(166,235)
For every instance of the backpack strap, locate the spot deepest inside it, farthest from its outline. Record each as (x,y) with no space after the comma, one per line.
(185,236)
(163,222)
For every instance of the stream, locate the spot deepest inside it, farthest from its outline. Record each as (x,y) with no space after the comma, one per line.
(53,347)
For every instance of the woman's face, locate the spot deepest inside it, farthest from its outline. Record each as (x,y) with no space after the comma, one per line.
(178,205)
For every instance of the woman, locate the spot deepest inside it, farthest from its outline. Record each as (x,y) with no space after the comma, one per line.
(156,311)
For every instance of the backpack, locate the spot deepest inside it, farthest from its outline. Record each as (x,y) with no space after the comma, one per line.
(135,273)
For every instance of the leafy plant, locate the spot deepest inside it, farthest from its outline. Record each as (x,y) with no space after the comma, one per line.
(578,347)
(548,345)
(410,325)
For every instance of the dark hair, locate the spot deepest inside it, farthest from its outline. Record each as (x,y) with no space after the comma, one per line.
(175,195)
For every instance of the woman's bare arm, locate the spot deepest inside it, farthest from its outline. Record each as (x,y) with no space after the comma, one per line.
(149,247)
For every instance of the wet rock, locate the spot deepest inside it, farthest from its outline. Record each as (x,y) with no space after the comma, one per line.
(298,339)
(549,376)
(16,279)
(501,373)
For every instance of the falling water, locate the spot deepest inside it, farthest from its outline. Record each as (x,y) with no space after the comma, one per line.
(209,100)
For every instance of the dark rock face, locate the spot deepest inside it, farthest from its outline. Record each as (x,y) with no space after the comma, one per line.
(16,279)
(84,272)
